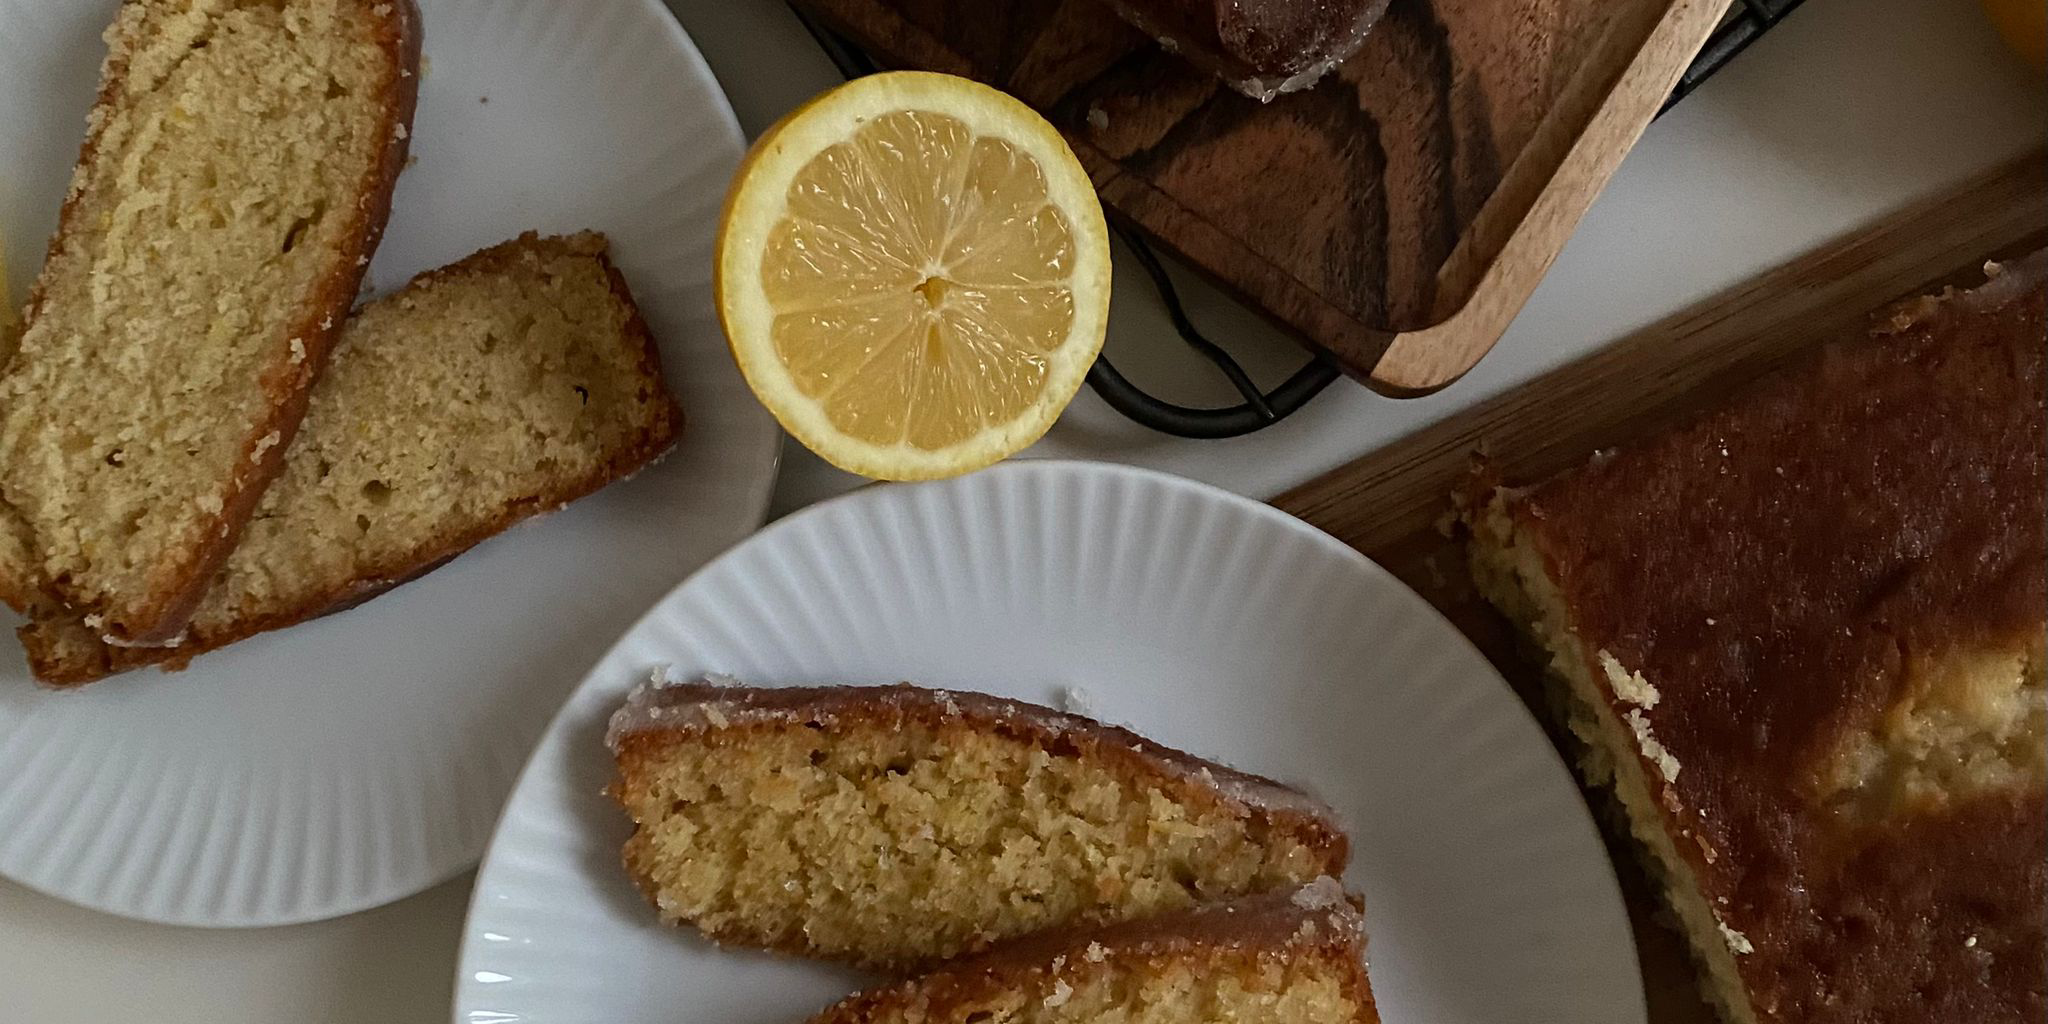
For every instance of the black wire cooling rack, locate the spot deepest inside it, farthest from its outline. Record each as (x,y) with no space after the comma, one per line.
(1744,23)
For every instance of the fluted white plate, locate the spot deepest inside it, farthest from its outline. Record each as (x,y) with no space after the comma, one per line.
(357,759)
(1204,620)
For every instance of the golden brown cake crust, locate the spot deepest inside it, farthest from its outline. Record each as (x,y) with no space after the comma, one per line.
(54,661)
(1786,573)
(160,619)
(1317,920)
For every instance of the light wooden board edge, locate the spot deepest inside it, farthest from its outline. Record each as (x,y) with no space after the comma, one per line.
(1423,361)
(1680,364)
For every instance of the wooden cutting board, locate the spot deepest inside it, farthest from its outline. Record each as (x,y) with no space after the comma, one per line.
(1388,504)
(1397,214)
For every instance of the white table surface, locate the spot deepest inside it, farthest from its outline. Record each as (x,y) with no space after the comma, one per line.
(1850,109)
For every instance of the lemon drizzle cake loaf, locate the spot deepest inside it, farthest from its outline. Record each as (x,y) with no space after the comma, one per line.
(1289,957)
(898,826)
(236,173)
(1803,637)
(482,393)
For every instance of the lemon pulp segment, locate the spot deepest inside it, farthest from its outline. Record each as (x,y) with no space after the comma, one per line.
(919,279)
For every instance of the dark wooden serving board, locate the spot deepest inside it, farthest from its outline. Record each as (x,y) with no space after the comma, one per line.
(1397,214)
(1388,504)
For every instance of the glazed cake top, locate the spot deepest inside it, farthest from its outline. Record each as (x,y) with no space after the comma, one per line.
(1822,610)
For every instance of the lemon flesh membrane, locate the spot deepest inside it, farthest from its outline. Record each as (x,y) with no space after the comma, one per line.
(919,279)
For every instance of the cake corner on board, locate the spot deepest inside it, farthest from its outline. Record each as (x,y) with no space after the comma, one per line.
(1803,639)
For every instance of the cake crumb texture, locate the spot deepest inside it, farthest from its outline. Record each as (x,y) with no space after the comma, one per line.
(237,164)
(482,393)
(895,826)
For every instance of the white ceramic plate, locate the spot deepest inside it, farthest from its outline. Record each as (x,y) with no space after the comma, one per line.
(360,758)
(1204,620)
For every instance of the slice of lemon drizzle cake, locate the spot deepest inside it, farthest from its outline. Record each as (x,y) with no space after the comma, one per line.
(235,177)
(1288,957)
(897,826)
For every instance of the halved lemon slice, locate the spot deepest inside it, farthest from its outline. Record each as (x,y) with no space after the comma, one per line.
(913,272)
